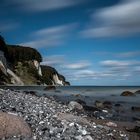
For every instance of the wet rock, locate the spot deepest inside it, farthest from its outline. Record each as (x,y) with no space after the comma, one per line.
(99,104)
(77,95)
(11,125)
(75,106)
(136,129)
(30,92)
(83,103)
(50,88)
(136,118)
(137,92)
(127,93)
(118,105)
(135,108)
(91,108)
(107,104)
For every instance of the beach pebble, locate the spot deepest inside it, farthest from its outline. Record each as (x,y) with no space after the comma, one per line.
(51,120)
(111,124)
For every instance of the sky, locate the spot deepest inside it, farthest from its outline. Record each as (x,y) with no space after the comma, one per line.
(90,42)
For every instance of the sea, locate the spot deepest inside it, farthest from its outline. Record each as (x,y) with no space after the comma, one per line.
(90,94)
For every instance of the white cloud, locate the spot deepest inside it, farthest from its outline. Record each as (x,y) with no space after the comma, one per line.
(120,20)
(115,63)
(129,54)
(43,5)
(78,65)
(51,36)
(8,26)
(53,60)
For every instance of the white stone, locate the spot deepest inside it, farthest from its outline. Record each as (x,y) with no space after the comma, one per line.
(111,124)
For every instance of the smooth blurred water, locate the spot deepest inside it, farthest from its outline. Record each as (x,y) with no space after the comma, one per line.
(90,94)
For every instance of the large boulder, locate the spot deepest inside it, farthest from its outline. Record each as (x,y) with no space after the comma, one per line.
(127,93)
(12,125)
(75,106)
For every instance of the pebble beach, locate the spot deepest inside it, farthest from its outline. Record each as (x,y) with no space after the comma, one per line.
(48,119)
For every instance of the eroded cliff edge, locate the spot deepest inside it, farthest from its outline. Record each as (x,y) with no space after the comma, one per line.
(20,65)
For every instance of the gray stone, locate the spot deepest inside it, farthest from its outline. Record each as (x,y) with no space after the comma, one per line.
(75,106)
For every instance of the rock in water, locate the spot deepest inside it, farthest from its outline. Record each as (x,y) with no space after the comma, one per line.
(137,92)
(135,108)
(127,93)
(12,125)
(75,106)
(98,104)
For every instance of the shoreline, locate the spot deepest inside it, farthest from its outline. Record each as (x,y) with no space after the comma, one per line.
(59,120)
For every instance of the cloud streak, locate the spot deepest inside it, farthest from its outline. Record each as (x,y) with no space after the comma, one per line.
(42,5)
(8,26)
(54,60)
(51,36)
(78,65)
(119,20)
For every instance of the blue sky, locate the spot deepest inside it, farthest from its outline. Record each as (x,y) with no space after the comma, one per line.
(90,42)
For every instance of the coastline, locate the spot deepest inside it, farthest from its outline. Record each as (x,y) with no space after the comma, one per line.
(52,120)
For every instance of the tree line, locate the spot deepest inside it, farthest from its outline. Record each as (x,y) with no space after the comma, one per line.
(16,53)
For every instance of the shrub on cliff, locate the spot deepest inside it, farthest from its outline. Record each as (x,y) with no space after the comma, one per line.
(48,73)
(3,47)
(19,54)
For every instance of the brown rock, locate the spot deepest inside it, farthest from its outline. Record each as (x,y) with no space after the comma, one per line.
(12,125)
(135,108)
(127,93)
(50,88)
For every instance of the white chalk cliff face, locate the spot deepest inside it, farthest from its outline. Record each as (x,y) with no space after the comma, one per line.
(37,65)
(3,67)
(15,79)
(56,80)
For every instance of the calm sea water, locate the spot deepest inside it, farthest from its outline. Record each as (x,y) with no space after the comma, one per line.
(90,94)
(94,92)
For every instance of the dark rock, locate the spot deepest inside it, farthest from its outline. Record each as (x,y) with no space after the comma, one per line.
(137,92)
(136,118)
(83,103)
(91,108)
(117,105)
(99,104)
(127,93)
(77,95)
(30,92)
(135,108)
(107,104)
(136,129)
(50,88)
